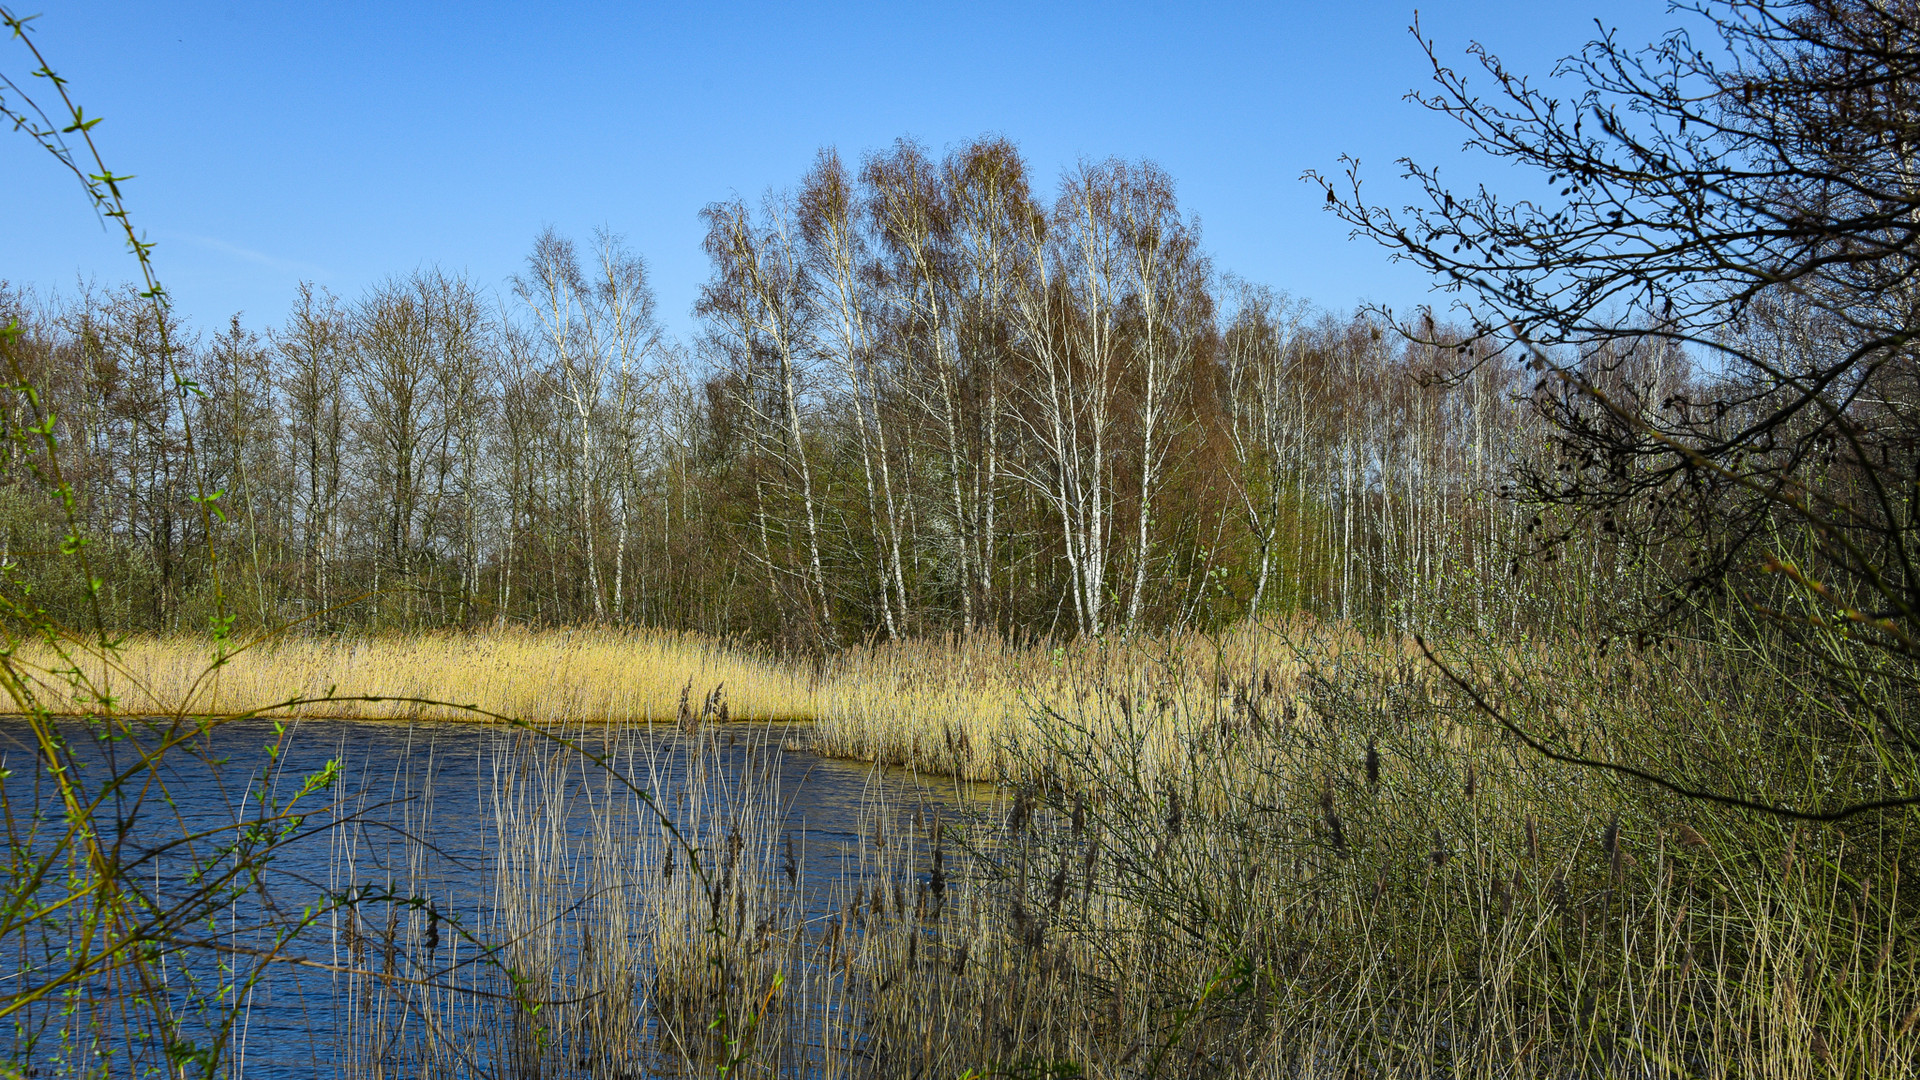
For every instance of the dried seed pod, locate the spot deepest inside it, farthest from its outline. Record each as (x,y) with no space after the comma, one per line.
(1021,812)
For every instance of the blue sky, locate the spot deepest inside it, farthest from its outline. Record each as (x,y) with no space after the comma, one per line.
(345,143)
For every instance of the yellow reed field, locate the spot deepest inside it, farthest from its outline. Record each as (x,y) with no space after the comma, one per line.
(975,707)
(978,707)
(560,675)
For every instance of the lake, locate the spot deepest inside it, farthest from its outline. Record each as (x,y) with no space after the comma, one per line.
(476,900)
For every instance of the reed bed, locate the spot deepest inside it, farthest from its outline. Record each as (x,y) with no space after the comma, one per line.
(621,935)
(976,707)
(1375,887)
(612,934)
(1283,853)
(563,676)
(1382,886)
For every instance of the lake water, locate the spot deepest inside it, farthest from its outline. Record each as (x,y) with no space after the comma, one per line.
(375,938)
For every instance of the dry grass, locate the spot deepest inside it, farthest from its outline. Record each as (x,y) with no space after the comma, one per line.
(1115,921)
(582,675)
(1285,852)
(969,707)
(962,707)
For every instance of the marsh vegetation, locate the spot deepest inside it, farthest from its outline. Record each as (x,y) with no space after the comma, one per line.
(1527,688)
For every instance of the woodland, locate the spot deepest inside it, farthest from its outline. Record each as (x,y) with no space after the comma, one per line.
(1526,683)
(929,396)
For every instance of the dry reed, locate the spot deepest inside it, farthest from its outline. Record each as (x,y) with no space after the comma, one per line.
(566,676)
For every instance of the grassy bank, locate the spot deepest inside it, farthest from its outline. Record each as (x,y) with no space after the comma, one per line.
(1282,852)
(561,676)
(979,707)
(1198,883)
(963,706)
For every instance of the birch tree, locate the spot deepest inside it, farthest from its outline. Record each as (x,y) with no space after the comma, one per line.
(758,299)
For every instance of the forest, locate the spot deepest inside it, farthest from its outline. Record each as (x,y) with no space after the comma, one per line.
(926,397)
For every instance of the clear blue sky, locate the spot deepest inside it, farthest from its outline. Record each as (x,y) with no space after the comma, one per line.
(343,143)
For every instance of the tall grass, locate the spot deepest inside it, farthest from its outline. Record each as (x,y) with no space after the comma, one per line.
(1288,852)
(1381,885)
(1376,885)
(565,676)
(968,706)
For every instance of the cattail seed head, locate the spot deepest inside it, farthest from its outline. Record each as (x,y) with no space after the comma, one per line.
(1533,838)
(1373,764)
(1688,838)
(1022,810)
(1473,779)
(1079,813)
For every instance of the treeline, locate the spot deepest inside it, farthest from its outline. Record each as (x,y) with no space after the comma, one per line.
(923,399)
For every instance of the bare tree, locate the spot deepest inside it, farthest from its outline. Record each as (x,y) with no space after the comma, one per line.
(991,209)
(621,323)
(829,216)
(759,300)
(1168,277)
(314,349)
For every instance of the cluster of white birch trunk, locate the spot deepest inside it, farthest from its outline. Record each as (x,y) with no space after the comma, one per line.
(927,397)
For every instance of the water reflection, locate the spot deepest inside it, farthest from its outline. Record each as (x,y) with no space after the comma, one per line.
(406,914)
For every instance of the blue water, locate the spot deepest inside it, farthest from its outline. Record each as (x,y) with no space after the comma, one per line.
(405,832)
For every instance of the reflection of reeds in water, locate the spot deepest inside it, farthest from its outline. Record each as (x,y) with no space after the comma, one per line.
(607,944)
(1319,873)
